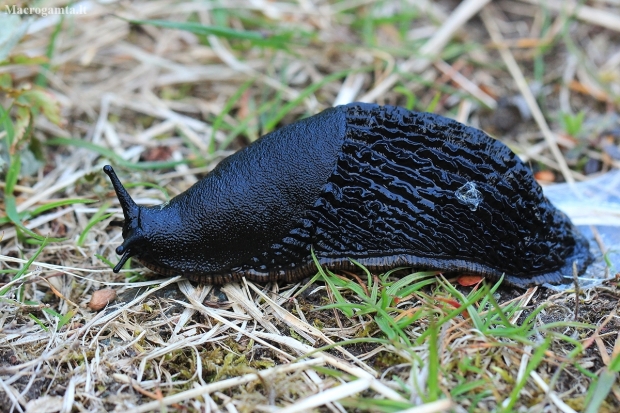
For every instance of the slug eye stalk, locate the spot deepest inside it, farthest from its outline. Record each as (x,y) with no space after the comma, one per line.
(131,211)
(126,255)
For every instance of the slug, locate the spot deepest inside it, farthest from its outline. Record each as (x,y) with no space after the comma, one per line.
(382,185)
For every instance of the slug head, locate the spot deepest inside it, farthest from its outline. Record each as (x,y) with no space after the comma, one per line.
(132,232)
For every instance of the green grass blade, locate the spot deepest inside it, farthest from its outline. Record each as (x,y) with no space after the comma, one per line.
(339,306)
(365,270)
(255,37)
(328,280)
(535,360)
(433,362)
(217,123)
(398,287)
(433,105)
(41,79)
(11,213)
(105,260)
(63,320)
(95,219)
(467,387)
(23,270)
(271,124)
(12,174)
(43,208)
(112,156)
(601,390)
(57,204)
(39,322)
(374,405)
(615,364)
(343,343)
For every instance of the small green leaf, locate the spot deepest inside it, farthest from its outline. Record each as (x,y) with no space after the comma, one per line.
(573,123)
(43,101)
(23,122)
(6,81)
(7,125)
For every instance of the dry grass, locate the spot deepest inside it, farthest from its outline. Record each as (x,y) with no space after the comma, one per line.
(145,98)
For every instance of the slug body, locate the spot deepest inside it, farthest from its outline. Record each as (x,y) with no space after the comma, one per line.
(382,185)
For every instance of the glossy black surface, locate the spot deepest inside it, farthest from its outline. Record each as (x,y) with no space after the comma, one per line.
(248,202)
(383,185)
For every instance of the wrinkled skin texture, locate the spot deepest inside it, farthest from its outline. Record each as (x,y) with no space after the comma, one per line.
(382,185)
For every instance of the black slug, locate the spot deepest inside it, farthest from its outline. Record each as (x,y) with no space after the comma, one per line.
(379,184)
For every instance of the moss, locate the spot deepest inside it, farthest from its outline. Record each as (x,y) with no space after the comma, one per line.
(386,359)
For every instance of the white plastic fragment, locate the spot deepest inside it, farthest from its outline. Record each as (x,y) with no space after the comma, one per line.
(469,195)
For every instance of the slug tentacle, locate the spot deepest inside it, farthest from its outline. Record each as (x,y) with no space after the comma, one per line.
(130,209)
(382,185)
(126,254)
